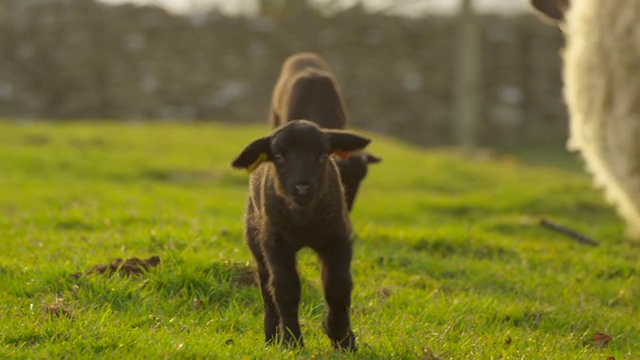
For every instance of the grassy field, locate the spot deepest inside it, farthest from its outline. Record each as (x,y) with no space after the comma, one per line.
(450,260)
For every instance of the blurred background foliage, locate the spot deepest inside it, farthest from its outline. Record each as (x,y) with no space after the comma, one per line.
(79,59)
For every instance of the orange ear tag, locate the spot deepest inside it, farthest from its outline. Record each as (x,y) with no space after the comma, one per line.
(344,155)
(261,158)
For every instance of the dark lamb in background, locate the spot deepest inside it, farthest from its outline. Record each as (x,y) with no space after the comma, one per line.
(296,200)
(307,89)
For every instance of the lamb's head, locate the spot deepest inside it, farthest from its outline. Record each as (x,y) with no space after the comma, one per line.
(553,10)
(353,170)
(300,153)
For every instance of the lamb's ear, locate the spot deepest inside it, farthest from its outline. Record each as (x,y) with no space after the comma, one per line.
(344,141)
(254,154)
(372,159)
(552,10)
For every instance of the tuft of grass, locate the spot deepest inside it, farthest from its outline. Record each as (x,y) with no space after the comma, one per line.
(450,261)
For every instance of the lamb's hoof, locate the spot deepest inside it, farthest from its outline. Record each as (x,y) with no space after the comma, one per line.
(270,339)
(286,341)
(348,343)
(291,342)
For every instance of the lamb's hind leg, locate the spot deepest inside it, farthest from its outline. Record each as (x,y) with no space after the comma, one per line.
(335,262)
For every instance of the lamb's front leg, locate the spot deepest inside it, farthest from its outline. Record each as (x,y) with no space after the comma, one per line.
(335,262)
(285,286)
(271,318)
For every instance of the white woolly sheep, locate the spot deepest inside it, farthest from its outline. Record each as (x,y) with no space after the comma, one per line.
(602,91)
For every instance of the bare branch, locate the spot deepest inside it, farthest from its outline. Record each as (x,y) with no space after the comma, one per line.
(583,239)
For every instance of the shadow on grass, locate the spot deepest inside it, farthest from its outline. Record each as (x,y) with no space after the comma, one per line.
(553,154)
(193,176)
(22,339)
(451,247)
(75,224)
(179,176)
(221,284)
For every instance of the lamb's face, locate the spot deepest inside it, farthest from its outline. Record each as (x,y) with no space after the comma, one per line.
(300,153)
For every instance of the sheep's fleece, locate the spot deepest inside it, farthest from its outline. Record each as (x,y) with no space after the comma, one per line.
(602,90)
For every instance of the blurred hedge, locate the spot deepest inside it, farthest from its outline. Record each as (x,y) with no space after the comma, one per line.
(84,59)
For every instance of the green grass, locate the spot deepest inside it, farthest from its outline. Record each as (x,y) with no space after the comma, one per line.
(449,260)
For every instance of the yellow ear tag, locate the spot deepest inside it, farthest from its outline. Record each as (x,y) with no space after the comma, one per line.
(261,158)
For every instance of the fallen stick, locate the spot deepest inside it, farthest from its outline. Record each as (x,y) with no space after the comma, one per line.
(582,239)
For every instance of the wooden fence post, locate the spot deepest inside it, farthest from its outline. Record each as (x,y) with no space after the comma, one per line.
(468,76)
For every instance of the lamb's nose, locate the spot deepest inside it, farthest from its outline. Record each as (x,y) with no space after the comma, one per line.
(302,188)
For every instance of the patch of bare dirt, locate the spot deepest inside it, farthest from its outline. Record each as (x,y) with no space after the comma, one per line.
(132,266)
(246,275)
(58,308)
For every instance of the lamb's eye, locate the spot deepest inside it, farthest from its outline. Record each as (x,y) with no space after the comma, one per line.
(323,158)
(278,157)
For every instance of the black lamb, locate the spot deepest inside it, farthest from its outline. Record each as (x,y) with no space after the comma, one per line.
(296,200)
